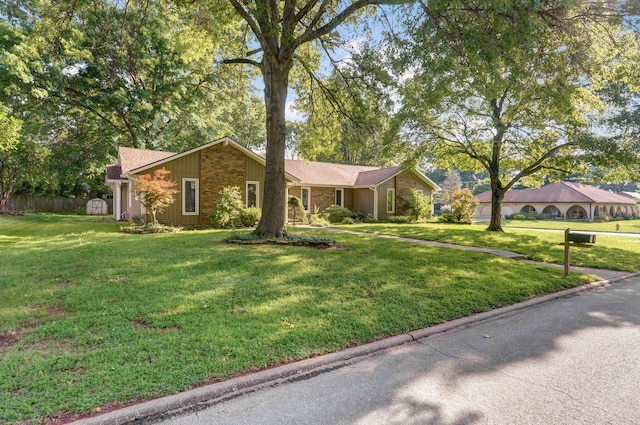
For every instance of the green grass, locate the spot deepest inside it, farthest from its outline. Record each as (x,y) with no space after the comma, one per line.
(609,252)
(92,318)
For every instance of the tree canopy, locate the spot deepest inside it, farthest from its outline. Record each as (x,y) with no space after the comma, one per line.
(506,87)
(89,77)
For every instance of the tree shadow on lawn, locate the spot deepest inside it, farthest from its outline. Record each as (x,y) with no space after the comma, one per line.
(217,310)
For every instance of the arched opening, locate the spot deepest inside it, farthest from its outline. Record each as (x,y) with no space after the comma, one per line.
(576,212)
(612,212)
(553,211)
(528,209)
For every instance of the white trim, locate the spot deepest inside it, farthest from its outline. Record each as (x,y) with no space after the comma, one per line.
(335,195)
(197,196)
(375,202)
(393,200)
(246,197)
(308,189)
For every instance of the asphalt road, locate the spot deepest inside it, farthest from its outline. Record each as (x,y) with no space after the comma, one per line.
(574,360)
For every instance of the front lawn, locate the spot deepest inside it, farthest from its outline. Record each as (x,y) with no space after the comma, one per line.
(609,252)
(91,318)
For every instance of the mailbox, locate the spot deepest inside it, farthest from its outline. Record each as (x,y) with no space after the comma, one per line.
(581,238)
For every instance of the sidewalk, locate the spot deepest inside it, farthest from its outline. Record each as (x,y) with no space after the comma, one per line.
(602,273)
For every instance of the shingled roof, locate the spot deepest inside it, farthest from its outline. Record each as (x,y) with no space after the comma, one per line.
(132,158)
(560,192)
(307,173)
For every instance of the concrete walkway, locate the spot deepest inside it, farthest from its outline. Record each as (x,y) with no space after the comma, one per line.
(602,273)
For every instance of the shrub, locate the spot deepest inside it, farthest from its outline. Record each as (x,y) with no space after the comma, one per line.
(335,213)
(463,206)
(249,217)
(399,219)
(318,221)
(228,208)
(519,217)
(419,204)
(348,220)
(448,218)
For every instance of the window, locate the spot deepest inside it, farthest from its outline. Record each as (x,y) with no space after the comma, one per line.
(339,197)
(189,196)
(252,194)
(305,194)
(391,200)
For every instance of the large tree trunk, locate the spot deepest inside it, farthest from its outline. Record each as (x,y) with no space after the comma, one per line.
(497,194)
(4,201)
(276,83)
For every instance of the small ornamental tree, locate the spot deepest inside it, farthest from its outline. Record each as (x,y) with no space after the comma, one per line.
(157,191)
(296,207)
(463,206)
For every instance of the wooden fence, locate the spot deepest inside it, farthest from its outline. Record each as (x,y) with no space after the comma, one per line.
(50,204)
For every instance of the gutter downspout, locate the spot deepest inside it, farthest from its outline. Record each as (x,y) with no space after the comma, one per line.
(375,202)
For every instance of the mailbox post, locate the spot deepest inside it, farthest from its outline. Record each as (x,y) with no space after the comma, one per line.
(580,240)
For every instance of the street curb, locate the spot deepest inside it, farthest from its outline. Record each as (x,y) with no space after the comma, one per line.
(209,394)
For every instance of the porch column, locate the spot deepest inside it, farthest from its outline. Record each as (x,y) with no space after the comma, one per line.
(117,200)
(375,202)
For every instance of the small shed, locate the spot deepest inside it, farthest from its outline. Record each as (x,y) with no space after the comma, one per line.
(97,206)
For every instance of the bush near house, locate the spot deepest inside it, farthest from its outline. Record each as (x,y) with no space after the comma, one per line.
(249,217)
(228,208)
(336,213)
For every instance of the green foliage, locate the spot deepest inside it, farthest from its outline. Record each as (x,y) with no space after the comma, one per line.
(88,78)
(249,217)
(419,204)
(519,217)
(350,125)
(157,192)
(336,213)
(228,208)
(400,219)
(124,320)
(297,209)
(502,86)
(463,206)
(347,220)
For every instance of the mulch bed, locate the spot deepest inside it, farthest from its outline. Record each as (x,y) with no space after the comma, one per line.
(314,243)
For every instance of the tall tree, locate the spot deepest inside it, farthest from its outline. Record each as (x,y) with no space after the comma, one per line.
(90,76)
(505,86)
(347,115)
(14,155)
(281,31)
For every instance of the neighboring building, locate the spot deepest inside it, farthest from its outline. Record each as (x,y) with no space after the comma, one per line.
(202,172)
(561,200)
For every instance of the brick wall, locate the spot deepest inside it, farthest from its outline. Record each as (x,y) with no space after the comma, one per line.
(221,166)
(322,197)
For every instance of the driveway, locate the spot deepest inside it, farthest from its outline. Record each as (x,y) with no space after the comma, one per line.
(573,360)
